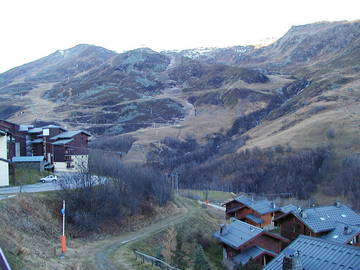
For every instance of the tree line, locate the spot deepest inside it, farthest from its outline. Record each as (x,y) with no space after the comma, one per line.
(274,170)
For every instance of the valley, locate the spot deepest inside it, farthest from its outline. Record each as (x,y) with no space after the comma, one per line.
(279,121)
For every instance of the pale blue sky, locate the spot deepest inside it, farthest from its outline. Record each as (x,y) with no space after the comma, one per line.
(33,29)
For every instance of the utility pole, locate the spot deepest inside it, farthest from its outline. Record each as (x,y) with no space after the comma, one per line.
(46,132)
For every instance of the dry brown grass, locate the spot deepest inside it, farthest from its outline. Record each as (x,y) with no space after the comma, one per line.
(30,227)
(343,116)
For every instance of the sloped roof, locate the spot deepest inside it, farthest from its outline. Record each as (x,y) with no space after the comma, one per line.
(69,134)
(316,253)
(325,218)
(260,206)
(342,233)
(62,142)
(234,209)
(28,159)
(37,141)
(2,132)
(237,233)
(35,130)
(251,253)
(53,126)
(25,127)
(288,208)
(255,219)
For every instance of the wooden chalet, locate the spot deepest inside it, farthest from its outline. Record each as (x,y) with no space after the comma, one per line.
(4,166)
(312,253)
(337,223)
(243,242)
(260,213)
(62,149)
(16,139)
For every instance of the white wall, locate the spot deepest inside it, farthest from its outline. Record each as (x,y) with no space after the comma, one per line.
(80,162)
(4,167)
(60,167)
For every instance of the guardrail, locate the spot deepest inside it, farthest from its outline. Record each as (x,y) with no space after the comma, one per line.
(4,265)
(154,261)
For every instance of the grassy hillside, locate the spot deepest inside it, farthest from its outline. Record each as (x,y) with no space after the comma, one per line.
(179,244)
(27,176)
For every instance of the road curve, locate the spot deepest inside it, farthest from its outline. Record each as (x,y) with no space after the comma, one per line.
(103,257)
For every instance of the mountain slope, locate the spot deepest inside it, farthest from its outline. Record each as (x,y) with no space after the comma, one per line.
(290,92)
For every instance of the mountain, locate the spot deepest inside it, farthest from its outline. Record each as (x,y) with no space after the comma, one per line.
(292,92)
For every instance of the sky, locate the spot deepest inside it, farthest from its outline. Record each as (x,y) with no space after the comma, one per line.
(31,29)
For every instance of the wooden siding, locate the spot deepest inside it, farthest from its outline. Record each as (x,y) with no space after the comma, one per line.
(15,137)
(241,214)
(263,240)
(291,228)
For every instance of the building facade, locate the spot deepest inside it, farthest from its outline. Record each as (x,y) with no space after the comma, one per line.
(70,150)
(312,253)
(4,166)
(337,223)
(63,150)
(243,242)
(16,139)
(32,162)
(260,213)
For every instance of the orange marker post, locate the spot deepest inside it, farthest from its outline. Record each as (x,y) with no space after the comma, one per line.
(63,243)
(63,237)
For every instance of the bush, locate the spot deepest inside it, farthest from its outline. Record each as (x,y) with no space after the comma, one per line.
(122,191)
(330,133)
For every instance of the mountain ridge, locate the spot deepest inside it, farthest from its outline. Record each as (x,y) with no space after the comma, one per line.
(99,88)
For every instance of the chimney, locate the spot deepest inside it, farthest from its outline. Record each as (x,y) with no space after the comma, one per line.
(222,229)
(292,261)
(273,205)
(303,214)
(347,230)
(337,204)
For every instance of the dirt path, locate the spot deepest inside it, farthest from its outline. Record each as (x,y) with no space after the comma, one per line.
(99,255)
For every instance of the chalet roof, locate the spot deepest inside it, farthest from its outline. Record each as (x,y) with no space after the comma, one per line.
(325,218)
(288,208)
(35,130)
(25,127)
(251,253)
(69,134)
(342,233)
(234,209)
(52,126)
(237,233)
(2,132)
(28,159)
(255,218)
(37,141)
(316,253)
(62,142)
(260,206)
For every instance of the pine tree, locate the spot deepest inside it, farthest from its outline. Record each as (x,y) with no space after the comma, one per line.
(201,262)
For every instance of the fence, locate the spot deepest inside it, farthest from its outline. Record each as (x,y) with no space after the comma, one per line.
(154,261)
(4,265)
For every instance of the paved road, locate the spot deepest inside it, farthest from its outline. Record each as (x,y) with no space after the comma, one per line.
(39,187)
